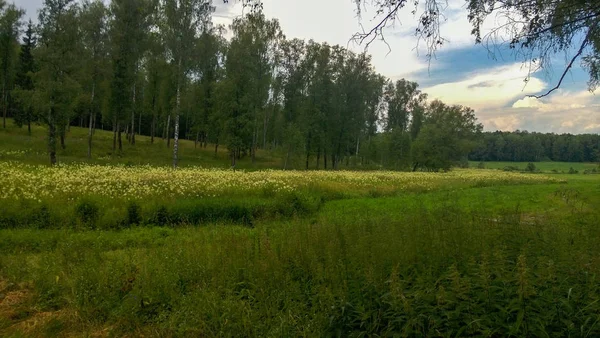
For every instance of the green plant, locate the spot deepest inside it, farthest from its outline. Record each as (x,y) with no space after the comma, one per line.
(133,213)
(87,212)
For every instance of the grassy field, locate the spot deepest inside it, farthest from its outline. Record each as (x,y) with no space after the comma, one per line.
(17,145)
(547,167)
(89,250)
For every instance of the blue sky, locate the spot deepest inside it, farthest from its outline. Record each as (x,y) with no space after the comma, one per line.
(463,73)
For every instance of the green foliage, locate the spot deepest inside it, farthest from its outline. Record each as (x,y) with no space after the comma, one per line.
(87,212)
(448,135)
(133,214)
(526,146)
(477,262)
(531,168)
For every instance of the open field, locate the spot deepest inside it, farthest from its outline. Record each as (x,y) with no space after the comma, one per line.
(467,253)
(110,248)
(547,167)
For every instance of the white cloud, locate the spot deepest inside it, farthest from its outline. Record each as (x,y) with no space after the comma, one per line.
(335,22)
(494,88)
(561,101)
(562,112)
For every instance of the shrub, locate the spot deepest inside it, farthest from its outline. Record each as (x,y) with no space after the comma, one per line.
(464,164)
(481,165)
(133,214)
(160,216)
(573,171)
(531,167)
(87,212)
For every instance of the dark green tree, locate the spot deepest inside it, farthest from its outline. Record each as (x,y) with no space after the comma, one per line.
(448,135)
(10,24)
(24,113)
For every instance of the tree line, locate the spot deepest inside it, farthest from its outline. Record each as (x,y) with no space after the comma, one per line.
(523,146)
(161,68)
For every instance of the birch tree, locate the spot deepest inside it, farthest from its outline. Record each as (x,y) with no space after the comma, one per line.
(55,86)
(94,37)
(184,20)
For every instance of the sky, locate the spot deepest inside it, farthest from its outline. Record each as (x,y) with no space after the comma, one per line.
(461,73)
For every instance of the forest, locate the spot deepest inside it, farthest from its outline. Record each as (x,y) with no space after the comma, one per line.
(153,68)
(523,146)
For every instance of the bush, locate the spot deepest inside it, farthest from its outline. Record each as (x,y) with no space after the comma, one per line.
(573,171)
(464,164)
(133,214)
(87,212)
(531,168)
(481,165)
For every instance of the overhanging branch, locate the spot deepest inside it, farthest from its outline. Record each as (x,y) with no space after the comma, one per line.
(568,68)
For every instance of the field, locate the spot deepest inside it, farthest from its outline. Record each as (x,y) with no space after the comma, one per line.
(546,167)
(112,248)
(17,145)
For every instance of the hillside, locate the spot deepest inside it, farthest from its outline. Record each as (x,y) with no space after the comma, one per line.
(17,145)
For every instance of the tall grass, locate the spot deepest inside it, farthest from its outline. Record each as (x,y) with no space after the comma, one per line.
(429,268)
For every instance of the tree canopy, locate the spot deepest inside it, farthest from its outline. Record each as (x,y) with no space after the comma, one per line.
(163,69)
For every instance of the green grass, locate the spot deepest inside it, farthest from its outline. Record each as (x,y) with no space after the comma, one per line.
(547,167)
(480,261)
(459,259)
(16,144)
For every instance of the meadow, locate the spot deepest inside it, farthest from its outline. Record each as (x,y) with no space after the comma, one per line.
(546,167)
(91,249)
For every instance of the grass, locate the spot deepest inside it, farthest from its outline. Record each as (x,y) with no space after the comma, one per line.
(480,261)
(16,144)
(346,254)
(547,167)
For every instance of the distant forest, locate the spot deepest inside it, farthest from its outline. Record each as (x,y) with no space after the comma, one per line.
(523,146)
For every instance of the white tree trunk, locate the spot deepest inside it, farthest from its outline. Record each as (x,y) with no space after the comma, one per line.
(90,132)
(177,104)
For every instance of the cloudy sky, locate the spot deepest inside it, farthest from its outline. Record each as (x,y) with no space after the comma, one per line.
(462,72)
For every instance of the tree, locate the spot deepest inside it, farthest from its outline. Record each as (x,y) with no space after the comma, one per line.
(448,135)
(94,36)
(10,23)
(536,30)
(24,81)
(56,89)
(128,29)
(183,20)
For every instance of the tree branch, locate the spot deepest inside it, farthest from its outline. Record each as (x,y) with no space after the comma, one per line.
(577,55)
(378,29)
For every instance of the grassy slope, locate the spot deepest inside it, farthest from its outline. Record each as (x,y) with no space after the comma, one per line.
(32,149)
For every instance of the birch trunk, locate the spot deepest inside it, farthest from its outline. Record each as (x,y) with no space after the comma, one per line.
(89,153)
(51,137)
(177,105)
(132,137)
